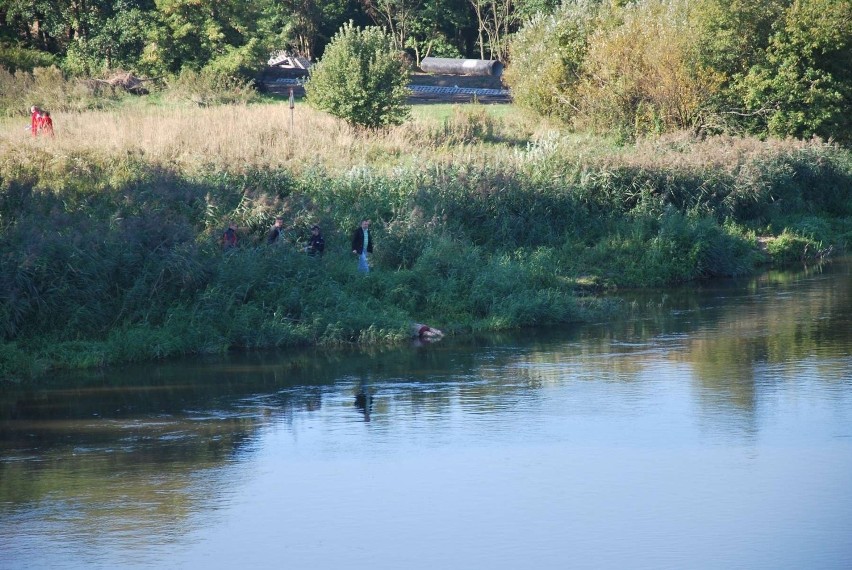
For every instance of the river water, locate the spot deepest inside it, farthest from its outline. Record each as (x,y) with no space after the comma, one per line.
(712,428)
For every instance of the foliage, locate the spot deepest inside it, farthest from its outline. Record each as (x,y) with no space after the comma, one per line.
(207,88)
(158,37)
(624,68)
(47,87)
(192,33)
(804,88)
(643,75)
(305,23)
(777,67)
(114,42)
(15,58)
(546,58)
(361,79)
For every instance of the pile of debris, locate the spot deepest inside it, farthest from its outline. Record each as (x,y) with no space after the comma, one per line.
(123,80)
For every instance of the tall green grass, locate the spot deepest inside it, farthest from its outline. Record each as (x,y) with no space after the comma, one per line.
(112,250)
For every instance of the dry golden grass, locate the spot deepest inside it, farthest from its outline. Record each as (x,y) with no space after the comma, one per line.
(239,136)
(236,137)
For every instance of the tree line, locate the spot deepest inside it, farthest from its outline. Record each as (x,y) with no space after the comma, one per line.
(167,36)
(766,67)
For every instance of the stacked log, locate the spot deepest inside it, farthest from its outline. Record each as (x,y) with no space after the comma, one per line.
(450,66)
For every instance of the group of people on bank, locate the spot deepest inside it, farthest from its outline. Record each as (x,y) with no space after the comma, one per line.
(362,241)
(362,246)
(40,122)
(316,243)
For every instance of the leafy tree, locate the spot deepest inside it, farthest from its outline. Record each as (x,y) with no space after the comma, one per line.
(361,78)
(733,34)
(305,24)
(192,34)
(52,24)
(494,18)
(642,73)
(804,87)
(525,10)
(425,27)
(547,57)
(497,19)
(116,42)
(396,16)
(431,30)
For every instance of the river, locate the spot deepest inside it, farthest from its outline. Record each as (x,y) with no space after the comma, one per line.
(710,428)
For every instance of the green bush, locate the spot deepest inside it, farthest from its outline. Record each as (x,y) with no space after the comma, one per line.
(361,79)
(115,259)
(239,62)
(16,58)
(547,56)
(789,247)
(804,87)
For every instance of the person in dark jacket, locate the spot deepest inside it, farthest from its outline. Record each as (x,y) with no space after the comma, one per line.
(317,244)
(362,244)
(275,231)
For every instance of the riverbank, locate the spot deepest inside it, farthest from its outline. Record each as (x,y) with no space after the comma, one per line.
(482,220)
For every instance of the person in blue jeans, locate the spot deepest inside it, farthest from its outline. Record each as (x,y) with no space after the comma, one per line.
(362,244)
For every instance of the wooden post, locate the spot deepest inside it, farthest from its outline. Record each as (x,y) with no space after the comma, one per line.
(292,106)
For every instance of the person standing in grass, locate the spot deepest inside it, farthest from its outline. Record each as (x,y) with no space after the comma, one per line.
(35,119)
(317,244)
(362,244)
(275,231)
(46,123)
(229,237)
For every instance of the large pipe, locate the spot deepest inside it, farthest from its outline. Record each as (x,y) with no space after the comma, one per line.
(450,66)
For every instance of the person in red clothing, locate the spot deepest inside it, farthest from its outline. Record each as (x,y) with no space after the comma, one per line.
(35,119)
(46,123)
(229,237)
(425,332)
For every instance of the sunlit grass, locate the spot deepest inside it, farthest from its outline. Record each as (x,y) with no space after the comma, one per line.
(271,135)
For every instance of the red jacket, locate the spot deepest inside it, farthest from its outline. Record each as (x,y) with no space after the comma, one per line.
(35,121)
(46,125)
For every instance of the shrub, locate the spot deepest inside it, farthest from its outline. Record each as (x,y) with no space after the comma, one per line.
(207,88)
(804,88)
(361,79)
(546,57)
(789,247)
(642,75)
(16,58)
(238,62)
(47,87)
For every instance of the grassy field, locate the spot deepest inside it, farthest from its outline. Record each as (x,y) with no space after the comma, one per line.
(484,219)
(268,136)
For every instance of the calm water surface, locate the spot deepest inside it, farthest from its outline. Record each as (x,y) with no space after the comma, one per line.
(711,429)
